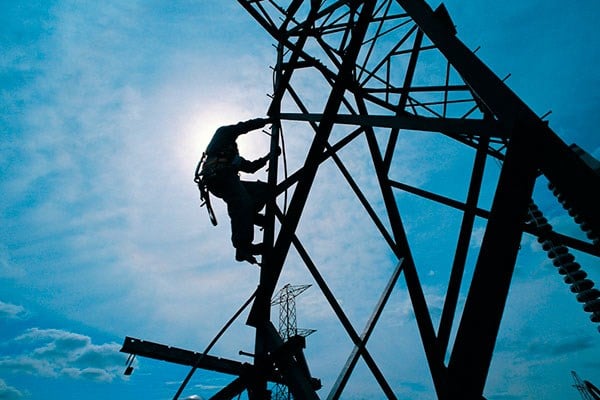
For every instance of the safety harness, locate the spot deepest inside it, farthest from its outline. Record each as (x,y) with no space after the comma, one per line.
(204,193)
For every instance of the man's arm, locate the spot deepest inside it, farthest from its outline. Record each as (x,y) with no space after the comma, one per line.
(246,126)
(226,135)
(253,166)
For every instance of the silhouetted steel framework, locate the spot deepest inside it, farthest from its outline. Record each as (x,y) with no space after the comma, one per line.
(587,390)
(285,298)
(368,57)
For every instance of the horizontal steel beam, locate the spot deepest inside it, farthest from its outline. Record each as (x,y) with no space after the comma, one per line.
(568,241)
(176,355)
(450,126)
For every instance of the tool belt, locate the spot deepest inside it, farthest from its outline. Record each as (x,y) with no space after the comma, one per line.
(213,165)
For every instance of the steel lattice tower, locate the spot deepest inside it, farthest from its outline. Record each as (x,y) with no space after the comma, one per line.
(384,69)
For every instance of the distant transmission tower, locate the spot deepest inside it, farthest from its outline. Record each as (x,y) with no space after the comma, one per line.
(286,299)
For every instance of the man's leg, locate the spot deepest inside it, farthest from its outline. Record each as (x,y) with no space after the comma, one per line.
(259,192)
(240,209)
(242,228)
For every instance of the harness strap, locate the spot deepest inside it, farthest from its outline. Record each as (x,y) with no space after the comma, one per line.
(204,193)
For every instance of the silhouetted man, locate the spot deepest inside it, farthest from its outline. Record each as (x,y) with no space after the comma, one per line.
(220,173)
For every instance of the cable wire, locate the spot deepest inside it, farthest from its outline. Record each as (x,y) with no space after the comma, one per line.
(285,169)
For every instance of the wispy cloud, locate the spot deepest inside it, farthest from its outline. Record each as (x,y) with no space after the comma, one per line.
(542,347)
(193,397)
(102,189)
(110,106)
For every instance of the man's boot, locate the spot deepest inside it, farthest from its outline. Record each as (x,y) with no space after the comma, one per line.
(245,254)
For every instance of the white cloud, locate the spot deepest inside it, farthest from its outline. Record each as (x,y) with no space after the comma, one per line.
(27,364)
(56,353)
(10,393)
(11,311)
(193,397)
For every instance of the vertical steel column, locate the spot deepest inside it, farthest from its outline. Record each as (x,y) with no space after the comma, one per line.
(480,322)
(260,312)
(260,344)
(284,240)
(464,237)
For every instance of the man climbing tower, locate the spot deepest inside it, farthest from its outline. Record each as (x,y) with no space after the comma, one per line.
(220,175)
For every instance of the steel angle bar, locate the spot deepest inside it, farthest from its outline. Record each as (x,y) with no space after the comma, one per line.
(345,373)
(386,59)
(337,309)
(419,89)
(437,198)
(371,46)
(234,388)
(331,151)
(478,329)
(363,200)
(569,241)
(462,246)
(408,79)
(509,108)
(420,308)
(260,311)
(259,387)
(297,175)
(319,14)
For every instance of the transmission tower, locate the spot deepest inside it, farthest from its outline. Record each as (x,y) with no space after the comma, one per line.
(383,70)
(285,298)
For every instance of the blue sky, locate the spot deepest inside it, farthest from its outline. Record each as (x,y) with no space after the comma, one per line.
(106,108)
